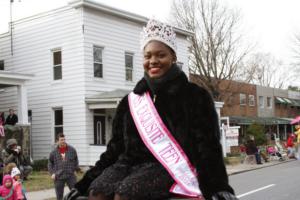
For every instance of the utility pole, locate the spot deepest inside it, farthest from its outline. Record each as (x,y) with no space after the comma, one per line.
(11,28)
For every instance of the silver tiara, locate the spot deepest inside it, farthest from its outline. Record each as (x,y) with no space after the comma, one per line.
(156,30)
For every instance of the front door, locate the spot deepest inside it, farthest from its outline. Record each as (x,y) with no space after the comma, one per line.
(99,130)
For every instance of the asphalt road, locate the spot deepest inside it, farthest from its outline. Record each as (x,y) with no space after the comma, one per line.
(279,182)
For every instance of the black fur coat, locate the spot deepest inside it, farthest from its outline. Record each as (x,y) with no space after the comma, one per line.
(189,113)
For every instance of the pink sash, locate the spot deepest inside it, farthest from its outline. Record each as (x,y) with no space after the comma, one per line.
(163,145)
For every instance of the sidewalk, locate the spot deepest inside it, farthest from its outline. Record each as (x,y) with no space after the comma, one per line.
(231,170)
(240,168)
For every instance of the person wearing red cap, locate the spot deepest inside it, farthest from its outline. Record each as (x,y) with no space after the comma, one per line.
(290,145)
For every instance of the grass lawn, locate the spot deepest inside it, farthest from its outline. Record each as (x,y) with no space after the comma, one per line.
(40,180)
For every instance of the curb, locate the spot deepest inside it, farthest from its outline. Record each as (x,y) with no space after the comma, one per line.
(260,167)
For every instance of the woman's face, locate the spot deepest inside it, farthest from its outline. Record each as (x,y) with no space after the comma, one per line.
(158,59)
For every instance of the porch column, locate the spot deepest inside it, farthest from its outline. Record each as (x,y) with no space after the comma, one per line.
(22,105)
(285,135)
(218,106)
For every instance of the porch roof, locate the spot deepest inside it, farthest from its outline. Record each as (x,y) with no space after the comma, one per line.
(109,99)
(8,78)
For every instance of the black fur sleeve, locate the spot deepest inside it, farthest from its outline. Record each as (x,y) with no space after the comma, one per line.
(114,148)
(210,166)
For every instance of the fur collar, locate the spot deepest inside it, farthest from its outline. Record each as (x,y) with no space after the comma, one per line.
(171,87)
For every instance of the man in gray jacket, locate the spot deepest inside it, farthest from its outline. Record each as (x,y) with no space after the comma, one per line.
(62,164)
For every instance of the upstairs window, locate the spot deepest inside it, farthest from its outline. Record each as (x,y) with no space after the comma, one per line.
(261,101)
(269,102)
(251,100)
(98,61)
(1,64)
(57,66)
(128,66)
(242,99)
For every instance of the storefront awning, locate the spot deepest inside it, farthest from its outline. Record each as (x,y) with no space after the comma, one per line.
(259,120)
(295,102)
(288,101)
(280,100)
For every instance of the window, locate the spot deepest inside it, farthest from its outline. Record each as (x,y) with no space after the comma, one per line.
(269,102)
(129,66)
(98,63)
(30,116)
(1,64)
(99,130)
(251,100)
(58,121)
(261,101)
(242,99)
(57,67)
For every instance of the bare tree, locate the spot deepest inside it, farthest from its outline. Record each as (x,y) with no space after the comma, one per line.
(269,71)
(216,50)
(296,49)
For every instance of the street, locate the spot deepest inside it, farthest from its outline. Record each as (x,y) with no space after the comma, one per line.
(279,182)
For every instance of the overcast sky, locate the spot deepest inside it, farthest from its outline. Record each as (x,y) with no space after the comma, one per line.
(269,23)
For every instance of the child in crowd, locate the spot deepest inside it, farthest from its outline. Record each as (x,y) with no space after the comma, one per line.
(7,191)
(8,168)
(17,183)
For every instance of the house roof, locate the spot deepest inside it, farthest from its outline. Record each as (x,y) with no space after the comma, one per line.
(98,6)
(108,99)
(118,12)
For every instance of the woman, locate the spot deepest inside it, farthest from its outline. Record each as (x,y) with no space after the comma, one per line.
(132,169)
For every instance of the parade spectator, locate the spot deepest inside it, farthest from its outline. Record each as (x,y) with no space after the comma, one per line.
(251,149)
(297,132)
(17,183)
(14,154)
(2,122)
(12,118)
(2,118)
(290,145)
(62,164)
(7,191)
(273,151)
(132,168)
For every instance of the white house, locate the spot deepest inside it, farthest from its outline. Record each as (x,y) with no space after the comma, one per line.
(79,61)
